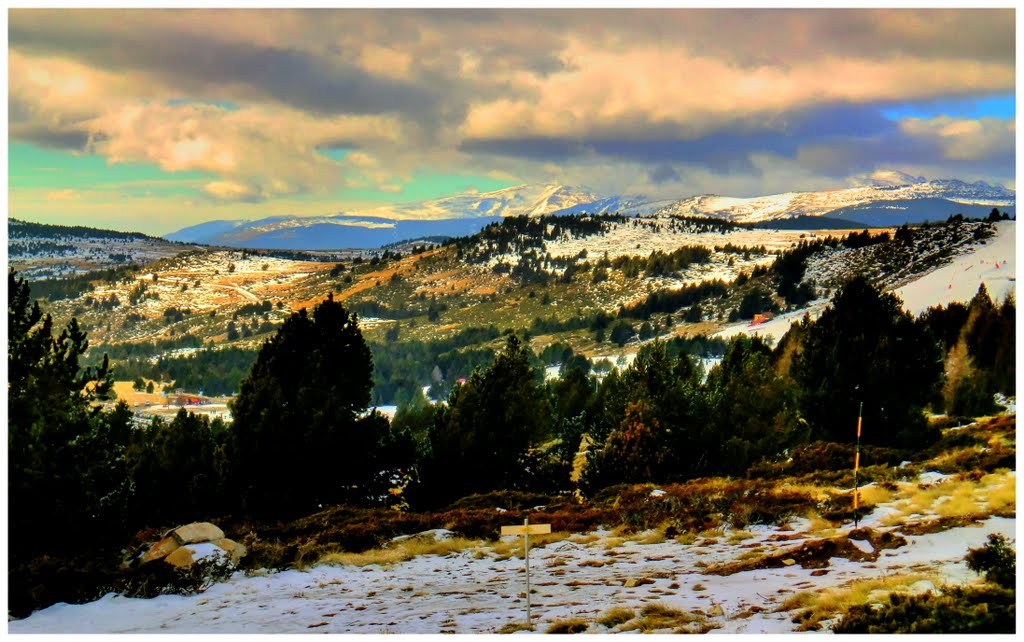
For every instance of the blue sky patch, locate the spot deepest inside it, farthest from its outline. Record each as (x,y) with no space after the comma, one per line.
(994,107)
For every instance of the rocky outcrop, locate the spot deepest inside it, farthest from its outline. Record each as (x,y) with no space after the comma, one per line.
(197,532)
(184,545)
(160,550)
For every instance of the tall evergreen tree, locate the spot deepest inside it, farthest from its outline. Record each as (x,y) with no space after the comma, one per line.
(657,403)
(480,441)
(864,347)
(299,437)
(66,465)
(186,454)
(752,407)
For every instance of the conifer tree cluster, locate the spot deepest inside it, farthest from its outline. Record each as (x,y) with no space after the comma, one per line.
(304,435)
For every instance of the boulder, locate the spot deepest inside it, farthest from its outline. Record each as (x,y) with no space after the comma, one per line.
(234,550)
(197,532)
(181,558)
(160,550)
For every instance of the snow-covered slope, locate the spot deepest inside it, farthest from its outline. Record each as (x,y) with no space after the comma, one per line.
(948,197)
(992,262)
(520,200)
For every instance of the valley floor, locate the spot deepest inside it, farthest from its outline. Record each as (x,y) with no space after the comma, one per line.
(480,590)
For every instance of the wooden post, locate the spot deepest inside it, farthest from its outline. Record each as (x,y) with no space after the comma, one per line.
(525,530)
(526,560)
(856,467)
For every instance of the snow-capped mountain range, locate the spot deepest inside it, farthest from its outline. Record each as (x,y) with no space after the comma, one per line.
(883,188)
(885,198)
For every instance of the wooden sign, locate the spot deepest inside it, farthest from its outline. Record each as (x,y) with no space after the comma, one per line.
(526,530)
(531,529)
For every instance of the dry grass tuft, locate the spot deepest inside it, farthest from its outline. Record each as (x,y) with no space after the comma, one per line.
(1001,491)
(874,494)
(572,625)
(819,526)
(757,551)
(584,538)
(963,501)
(655,617)
(515,627)
(738,536)
(654,536)
(689,537)
(813,607)
(400,552)
(616,616)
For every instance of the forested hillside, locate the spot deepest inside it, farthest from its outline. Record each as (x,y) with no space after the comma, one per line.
(505,428)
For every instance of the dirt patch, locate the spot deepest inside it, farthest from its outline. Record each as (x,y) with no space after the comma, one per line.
(815,554)
(943,524)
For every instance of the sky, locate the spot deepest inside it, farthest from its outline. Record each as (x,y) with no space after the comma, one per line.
(153,120)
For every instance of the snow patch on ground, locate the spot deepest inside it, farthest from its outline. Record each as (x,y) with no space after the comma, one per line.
(476,592)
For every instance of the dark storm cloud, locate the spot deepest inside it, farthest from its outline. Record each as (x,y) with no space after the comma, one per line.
(538,149)
(60,134)
(725,151)
(290,76)
(663,173)
(44,137)
(654,88)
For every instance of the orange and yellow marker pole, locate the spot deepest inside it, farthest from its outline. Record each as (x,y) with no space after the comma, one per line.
(856,467)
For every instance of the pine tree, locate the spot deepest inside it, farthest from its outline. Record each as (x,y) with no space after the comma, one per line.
(751,406)
(479,441)
(864,347)
(64,452)
(299,437)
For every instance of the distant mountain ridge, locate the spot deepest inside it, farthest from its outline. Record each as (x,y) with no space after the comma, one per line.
(942,195)
(46,251)
(882,199)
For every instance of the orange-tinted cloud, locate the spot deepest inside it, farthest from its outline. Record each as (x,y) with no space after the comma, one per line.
(525,92)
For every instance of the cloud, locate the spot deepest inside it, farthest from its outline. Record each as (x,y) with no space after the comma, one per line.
(232,191)
(663,173)
(701,95)
(965,139)
(272,152)
(64,195)
(614,92)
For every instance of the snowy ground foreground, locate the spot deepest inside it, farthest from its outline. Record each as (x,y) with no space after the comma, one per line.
(468,593)
(957,281)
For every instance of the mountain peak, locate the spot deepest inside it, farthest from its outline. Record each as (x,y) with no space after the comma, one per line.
(888,178)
